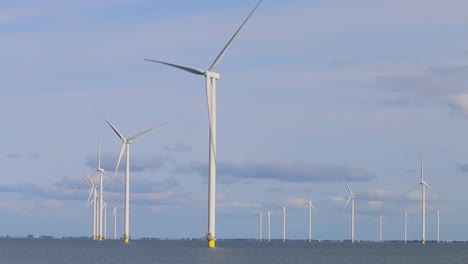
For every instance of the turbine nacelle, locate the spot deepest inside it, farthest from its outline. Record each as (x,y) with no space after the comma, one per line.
(210,74)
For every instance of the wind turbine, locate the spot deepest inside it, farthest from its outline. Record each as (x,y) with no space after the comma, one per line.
(405,215)
(311,206)
(114,216)
(126,145)
(269,223)
(284,220)
(260,224)
(211,77)
(423,184)
(101,173)
(351,198)
(105,220)
(380,221)
(93,193)
(438,221)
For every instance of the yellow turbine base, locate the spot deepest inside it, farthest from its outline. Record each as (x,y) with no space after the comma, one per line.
(126,240)
(211,243)
(352,241)
(100,238)
(424,242)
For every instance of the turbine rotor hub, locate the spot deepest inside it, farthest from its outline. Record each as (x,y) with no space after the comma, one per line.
(212,75)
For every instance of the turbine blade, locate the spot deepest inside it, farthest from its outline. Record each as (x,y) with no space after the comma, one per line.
(181,67)
(110,176)
(428,186)
(120,158)
(349,189)
(310,197)
(114,128)
(442,206)
(146,131)
(412,188)
(90,194)
(347,202)
(313,207)
(87,179)
(99,155)
(221,54)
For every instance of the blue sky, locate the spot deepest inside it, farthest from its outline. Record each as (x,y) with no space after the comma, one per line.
(310,92)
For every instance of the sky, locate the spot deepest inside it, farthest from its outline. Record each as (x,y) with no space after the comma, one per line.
(311,93)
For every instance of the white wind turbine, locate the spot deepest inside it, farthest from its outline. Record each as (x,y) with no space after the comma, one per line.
(311,206)
(93,193)
(260,224)
(269,223)
(284,220)
(438,221)
(423,184)
(381,222)
(211,77)
(351,198)
(104,208)
(101,173)
(405,215)
(114,216)
(126,145)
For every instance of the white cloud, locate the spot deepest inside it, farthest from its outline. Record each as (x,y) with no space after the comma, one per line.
(375,204)
(461,103)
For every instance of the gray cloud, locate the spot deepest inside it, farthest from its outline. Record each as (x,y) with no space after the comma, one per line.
(179,147)
(430,81)
(463,168)
(230,172)
(12,156)
(29,155)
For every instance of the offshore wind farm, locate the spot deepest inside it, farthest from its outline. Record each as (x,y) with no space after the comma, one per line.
(316,97)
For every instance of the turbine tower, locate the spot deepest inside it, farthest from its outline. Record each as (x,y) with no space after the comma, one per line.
(405,215)
(126,145)
(284,221)
(424,184)
(269,223)
(380,221)
(260,224)
(351,198)
(311,206)
(438,221)
(211,77)
(114,216)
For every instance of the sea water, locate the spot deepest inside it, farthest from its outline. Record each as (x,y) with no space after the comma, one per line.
(54,251)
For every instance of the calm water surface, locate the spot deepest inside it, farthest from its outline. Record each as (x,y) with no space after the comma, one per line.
(53,251)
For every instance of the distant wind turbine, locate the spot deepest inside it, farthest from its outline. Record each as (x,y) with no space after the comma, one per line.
(260,224)
(114,216)
(211,77)
(405,215)
(424,184)
(269,223)
(380,222)
(351,198)
(101,173)
(93,193)
(311,206)
(105,220)
(126,145)
(438,221)
(284,220)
